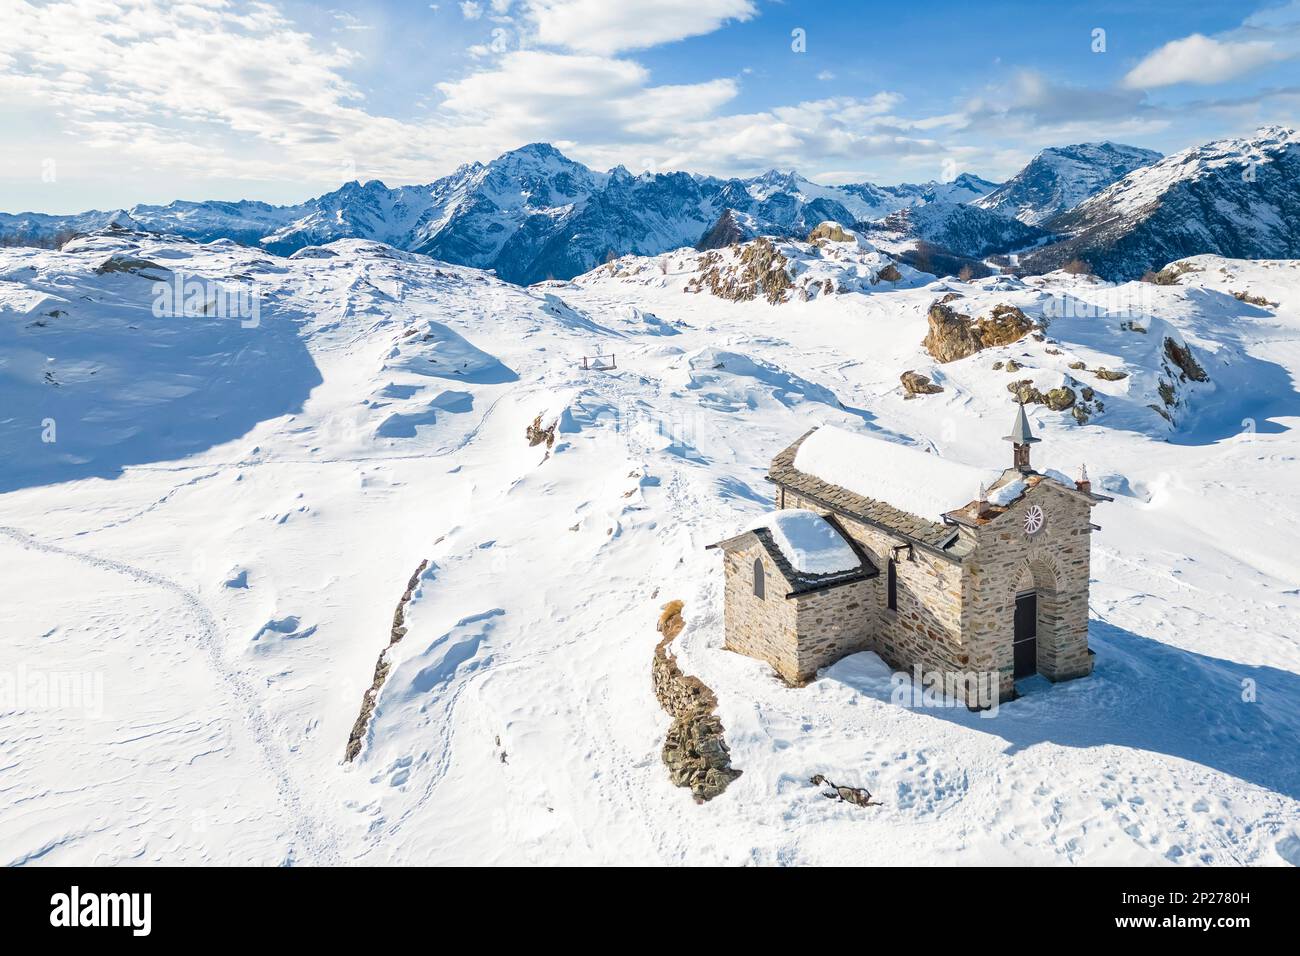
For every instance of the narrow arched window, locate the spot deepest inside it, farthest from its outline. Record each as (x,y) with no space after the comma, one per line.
(891,585)
(759,591)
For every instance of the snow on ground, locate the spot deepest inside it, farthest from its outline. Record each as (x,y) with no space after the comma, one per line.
(212,549)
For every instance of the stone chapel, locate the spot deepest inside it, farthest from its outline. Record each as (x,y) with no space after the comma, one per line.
(927,562)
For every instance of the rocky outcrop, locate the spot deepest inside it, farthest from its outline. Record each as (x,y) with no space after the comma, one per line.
(537,435)
(1258,300)
(1059,399)
(697,756)
(760,270)
(695,749)
(858,796)
(914,383)
(724,232)
(1182,357)
(130,265)
(679,694)
(830,230)
(954,335)
(889,274)
(382,667)
(1178,367)
(1025,392)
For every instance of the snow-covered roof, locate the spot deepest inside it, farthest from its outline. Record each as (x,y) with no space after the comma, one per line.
(810,551)
(908,492)
(809,542)
(907,478)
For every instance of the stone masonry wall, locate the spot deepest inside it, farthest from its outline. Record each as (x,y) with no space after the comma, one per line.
(926,628)
(833,623)
(1056,561)
(695,749)
(761,628)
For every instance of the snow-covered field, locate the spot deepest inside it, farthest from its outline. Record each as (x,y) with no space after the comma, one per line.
(211,550)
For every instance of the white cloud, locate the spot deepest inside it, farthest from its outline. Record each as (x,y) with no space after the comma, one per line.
(471,10)
(215,88)
(611,26)
(205,87)
(526,81)
(153,92)
(500,44)
(348,22)
(610,112)
(1201,59)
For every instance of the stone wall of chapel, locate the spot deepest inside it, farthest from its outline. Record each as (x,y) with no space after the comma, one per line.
(765,628)
(926,626)
(1057,562)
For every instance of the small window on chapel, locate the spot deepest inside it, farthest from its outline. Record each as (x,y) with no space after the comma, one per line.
(758,579)
(892,585)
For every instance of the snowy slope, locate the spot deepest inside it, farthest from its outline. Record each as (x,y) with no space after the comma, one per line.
(773,271)
(1061,177)
(530,214)
(961,228)
(533,214)
(1236,197)
(232,582)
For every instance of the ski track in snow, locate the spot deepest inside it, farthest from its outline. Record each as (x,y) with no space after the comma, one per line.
(320,843)
(560,671)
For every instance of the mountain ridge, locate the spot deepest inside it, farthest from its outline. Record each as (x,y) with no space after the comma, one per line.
(530,214)
(1058,178)
(534,214)
(1233,197)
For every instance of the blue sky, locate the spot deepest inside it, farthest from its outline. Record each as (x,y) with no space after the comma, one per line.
(109,104)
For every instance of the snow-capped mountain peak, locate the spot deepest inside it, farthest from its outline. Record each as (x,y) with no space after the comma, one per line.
(533,213)
(1060,177)
(1234,197)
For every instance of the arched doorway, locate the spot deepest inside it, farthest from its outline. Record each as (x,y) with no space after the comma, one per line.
(1037,618)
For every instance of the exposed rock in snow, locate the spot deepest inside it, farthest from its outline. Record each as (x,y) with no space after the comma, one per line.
(695,749)
(831,232)
(954,335)
(1061,177)
(1235,197)
(176,453)
(768,270)
(914,383)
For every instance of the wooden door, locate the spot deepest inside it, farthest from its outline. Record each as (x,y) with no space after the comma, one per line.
(1025,643)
